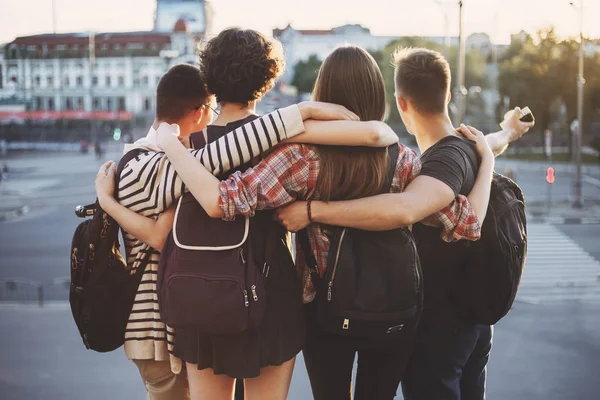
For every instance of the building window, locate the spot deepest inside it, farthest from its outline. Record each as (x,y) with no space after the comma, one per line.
(109,104)
(117,47)
(79,81)
(38,81)
(121,81)
(94,81)
(39,104)
(51,104)
(80,103)
(108,81)
(145,81)
(67,81)
(50,81)
(121,103)
(147,104)
(69,104)
(96,103)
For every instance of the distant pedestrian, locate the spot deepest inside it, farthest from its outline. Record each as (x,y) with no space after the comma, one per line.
(4,174)
(98,150)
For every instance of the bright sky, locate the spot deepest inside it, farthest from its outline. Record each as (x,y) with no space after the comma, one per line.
(499,18)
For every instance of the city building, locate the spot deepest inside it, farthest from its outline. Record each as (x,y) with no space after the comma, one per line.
(105,77)
(299,45)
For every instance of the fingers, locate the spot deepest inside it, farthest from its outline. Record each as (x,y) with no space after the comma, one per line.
(344,113)
(105,167)
(352,116)
(466,132)
(474,131)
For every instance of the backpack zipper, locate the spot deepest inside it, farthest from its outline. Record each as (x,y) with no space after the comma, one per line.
(246,301)
(337,258)
(105,225)
(92,254)
(74,259)
(254,295)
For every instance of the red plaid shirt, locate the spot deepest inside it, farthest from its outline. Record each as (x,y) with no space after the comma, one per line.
(290,173)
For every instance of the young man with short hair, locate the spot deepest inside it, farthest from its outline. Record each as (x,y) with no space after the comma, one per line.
(450,354)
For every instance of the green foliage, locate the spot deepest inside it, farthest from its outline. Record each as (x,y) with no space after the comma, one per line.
(305,74)
(542,71)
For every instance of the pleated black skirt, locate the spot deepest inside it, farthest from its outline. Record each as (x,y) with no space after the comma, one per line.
(279,337)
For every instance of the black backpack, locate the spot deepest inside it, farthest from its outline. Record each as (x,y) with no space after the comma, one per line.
(488,279)
(372,284)
(207,277)
(102,288)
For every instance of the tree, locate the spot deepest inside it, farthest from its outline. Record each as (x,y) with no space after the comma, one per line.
(541,72)
(305,74)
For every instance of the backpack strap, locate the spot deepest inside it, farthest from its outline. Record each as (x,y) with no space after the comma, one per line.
(309,255)
(130,155)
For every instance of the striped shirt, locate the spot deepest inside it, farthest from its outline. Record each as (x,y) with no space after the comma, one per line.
(149,185)
(290,173)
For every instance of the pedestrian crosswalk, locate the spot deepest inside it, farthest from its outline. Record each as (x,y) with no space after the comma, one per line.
(557,269)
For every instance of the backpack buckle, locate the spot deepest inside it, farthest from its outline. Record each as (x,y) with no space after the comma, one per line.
(346,324)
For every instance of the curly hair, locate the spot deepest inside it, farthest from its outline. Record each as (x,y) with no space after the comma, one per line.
(241,65)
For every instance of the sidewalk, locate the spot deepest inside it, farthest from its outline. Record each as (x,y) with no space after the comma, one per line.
(36,178)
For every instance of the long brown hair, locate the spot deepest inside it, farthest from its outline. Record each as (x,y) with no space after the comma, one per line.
(349,76)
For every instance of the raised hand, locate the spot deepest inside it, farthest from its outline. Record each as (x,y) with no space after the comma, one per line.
(516,127)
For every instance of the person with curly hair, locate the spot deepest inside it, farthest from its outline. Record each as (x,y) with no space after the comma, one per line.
(240,67)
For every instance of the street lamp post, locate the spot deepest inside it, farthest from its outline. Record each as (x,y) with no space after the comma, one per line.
(444,10)
(578,203)
(460,85)
(92,61)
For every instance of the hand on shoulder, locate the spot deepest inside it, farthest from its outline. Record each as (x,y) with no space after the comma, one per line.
(166,133)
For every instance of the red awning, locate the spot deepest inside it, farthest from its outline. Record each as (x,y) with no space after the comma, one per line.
(71,115)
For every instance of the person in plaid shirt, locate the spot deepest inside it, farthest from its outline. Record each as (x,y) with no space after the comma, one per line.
(296,172)
(450,357)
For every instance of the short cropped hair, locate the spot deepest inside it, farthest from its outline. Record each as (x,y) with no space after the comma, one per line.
(423,76)
(241,65)
(180,90)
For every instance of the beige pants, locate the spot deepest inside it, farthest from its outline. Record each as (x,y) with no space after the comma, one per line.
(161,383)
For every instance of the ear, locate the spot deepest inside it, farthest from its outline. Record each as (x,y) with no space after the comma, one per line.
(449,97)
(402,103)
(198,114)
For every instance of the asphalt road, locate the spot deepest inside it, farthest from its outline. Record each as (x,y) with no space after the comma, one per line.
(541,351)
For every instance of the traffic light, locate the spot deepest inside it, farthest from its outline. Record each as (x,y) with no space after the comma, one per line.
(117,134)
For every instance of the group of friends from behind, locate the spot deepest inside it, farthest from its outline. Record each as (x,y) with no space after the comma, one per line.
(313,165)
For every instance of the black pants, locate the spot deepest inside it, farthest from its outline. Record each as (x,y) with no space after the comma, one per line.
(449,362)
(329,361)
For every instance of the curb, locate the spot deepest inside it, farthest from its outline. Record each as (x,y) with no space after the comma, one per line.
(563,220)
(14,213)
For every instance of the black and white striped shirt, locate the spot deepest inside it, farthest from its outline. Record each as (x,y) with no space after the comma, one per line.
(149,185)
